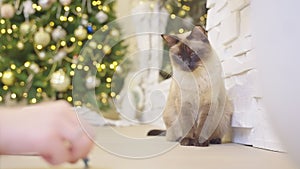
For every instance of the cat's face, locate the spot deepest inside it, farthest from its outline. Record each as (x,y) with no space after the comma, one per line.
(189,49)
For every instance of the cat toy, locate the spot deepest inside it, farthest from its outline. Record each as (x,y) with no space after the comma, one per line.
(86,161)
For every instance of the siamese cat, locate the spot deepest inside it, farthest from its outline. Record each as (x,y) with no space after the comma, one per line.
(197,111)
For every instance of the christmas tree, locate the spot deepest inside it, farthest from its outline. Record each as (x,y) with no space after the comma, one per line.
(40,51)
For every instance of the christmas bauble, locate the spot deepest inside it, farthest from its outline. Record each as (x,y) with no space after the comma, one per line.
(60,81)
(8,78)
(25,28)
(65,2)
(28,9)
(84,20)
(92,82)
(34,67)
(42,55)
(46,4)
(90,29)
(80,33)
(7,11)
(48,29)
(106,49)
(101,17)
(20,45)
(58,34)
(42,37)
(60,55)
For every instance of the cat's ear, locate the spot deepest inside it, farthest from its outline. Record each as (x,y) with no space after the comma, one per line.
(171,40)
(198,33)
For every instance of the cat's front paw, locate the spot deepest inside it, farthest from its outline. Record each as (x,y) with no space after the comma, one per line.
(216,141)
(204,144)
(188,142)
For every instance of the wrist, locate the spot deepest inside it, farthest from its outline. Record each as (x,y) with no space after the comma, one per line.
(12,130)
(5,125)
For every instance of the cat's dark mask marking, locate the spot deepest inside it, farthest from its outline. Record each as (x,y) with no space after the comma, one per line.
(187,58)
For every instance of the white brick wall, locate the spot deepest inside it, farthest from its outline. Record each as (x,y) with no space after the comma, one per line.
(229,31)
(230,28)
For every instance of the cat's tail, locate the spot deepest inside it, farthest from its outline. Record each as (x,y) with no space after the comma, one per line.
(156,132)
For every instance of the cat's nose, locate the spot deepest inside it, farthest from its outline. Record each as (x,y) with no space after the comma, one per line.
(187,63)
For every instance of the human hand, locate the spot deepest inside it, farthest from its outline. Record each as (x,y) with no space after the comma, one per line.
(50,129)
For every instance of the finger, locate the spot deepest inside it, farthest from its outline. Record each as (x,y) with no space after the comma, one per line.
(80,148)
(80,141)
(58,151)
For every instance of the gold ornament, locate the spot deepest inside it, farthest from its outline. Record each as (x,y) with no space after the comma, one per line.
(8,78)
(42,37)
(181,13)
(48,29)
(65,2)
(7,11)
(80,33)
(25,28)
(107,50)
(60,81)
